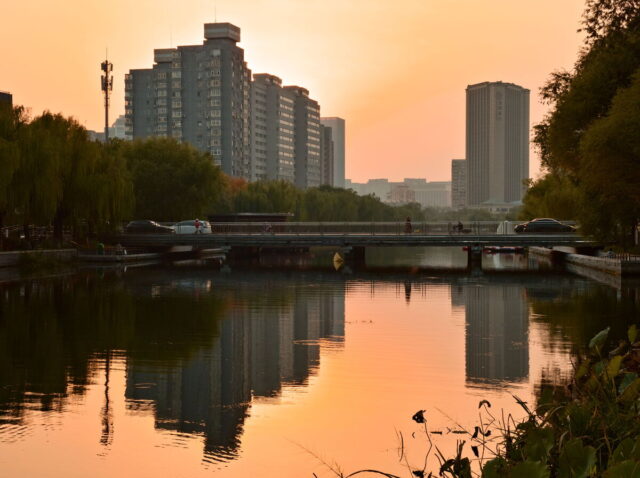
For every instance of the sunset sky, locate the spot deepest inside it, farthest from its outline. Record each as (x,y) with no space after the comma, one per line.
(395,70)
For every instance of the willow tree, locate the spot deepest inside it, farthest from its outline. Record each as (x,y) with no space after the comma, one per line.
(37,183)
(11,121)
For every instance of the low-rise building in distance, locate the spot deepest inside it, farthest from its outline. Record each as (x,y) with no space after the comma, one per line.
(425,193)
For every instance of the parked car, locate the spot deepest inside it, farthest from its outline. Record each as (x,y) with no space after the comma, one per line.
(189,227)
(147,227)
(544,225)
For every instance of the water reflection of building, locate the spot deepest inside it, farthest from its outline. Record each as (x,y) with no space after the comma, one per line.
(258,351)
(497,329)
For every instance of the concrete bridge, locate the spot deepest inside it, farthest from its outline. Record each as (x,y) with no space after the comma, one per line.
(353,238)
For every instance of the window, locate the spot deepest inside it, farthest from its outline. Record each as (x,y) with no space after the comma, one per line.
(176,74)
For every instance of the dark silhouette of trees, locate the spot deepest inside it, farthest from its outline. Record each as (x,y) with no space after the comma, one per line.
(591,158)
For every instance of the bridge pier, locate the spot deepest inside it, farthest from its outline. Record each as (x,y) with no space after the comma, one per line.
(354,255)
(474,257)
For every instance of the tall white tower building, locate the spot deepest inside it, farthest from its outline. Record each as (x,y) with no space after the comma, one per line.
(497,143)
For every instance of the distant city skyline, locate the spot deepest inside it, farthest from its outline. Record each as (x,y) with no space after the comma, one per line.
(404,120)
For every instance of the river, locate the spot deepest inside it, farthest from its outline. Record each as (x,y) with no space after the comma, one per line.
(187,371)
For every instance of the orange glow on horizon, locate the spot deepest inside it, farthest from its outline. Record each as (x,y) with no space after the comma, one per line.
(396,71)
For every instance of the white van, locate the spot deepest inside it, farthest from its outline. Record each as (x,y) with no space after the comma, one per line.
(189,227)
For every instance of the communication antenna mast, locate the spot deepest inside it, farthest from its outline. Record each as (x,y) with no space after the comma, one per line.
(107,87)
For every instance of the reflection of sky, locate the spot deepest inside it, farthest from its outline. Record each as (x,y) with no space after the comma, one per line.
(273,383)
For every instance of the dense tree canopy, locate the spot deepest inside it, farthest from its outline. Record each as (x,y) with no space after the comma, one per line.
(171,180)
(323,203)
(587,142)
(52,174)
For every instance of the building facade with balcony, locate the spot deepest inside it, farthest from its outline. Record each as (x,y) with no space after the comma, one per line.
(272,130)
(197,93)
(307,138)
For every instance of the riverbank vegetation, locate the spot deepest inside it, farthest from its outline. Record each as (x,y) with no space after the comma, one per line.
(588,142)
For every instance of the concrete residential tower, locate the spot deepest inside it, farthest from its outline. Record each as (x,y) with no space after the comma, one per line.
(337,126)
(273,133)
(199,94)
(307,138)
(497,143)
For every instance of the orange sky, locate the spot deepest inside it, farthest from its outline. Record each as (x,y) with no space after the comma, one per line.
(395,70)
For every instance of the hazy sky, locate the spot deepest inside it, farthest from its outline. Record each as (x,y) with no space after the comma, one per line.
(396,70)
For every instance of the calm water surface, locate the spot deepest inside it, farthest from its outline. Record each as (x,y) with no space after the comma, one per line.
(185,371)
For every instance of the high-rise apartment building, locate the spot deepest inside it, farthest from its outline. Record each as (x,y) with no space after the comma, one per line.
(458,183)
(199,94)
(327,163)
(497,143)
(273,133)
(307,138)
(337,126)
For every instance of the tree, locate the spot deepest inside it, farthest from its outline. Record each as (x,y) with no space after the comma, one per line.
(37,184)
(551,196)
(171,180)
(610,173)
(587,160)
(12,120)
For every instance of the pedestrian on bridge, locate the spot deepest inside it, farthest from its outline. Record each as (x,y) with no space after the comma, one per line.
(408,228)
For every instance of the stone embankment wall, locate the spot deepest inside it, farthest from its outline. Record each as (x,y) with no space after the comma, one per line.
(616,266)
(12,259)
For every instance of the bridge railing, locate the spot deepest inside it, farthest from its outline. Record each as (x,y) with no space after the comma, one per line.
(362,228)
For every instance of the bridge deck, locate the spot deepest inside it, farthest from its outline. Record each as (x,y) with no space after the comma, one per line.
(348,239)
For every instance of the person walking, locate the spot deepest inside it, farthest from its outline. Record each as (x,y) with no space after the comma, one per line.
(408,228)
(197,225)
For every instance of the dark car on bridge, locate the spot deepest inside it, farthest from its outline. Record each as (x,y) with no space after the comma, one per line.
(544,225)
(147,227)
